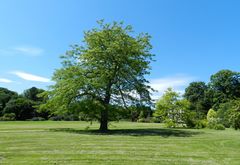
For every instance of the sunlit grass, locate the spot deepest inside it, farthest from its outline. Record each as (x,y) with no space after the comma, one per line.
(129,143)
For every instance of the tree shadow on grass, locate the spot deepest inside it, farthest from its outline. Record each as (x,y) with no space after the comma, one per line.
(162,132)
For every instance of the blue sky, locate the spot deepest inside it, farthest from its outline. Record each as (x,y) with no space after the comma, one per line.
(191,39)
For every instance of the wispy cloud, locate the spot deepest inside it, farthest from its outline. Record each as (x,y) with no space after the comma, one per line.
(4,80)
(21,50)
(29,50)
(30,77)
(178,83)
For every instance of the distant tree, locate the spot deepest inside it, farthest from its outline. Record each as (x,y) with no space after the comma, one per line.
(198,94)
(108,69)
(5,96)
(21,107)
(32,94)
(226,86)
(170,107)
(195,92)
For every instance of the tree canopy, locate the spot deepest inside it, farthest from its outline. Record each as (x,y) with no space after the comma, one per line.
(5,96)
(170,108)
(109,68)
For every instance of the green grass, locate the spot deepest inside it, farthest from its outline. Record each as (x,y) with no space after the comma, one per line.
(129,143)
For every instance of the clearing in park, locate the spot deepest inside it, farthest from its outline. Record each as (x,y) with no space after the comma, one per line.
(47,142)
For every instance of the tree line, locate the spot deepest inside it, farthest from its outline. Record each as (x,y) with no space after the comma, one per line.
(214,105)
(14,106)
(29,106)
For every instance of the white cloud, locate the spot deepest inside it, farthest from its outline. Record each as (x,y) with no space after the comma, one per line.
(4,80)
(29,50)
(178,83)
(31,77)
(21,50)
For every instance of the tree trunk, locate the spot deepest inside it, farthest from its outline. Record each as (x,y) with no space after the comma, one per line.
(104,112)
(104,120)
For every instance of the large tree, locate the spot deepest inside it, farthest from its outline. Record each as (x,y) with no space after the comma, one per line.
(171,107)
(23,108)
(199,96)
(107,69)
(5,96)
(226,86)
(32,94)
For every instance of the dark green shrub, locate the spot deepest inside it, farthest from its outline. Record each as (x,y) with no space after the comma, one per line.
(21,107)
(8,117)
(190,119)
(224,113)
(37,119)
(219,127)
(155,120)
(199,124)
(56,118)
(235,119)
(71,118)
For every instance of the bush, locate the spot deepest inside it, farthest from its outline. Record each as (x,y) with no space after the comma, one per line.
(212,123)
(235,119)
(219,127)
(8,117)
(21,107)
(144,120)
(212,119)
(56,118)
(71,118)
(190,119)
(199,124)
(37,119)
(155,120)
(224,113)
(211,114)
(169,123)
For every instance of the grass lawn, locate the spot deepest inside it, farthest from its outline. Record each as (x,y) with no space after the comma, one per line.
(69,143)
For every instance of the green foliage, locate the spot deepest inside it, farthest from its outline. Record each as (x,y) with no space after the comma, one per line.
(8,117)
(171,107)
(211,115)
(108,68)
(33,94)
(199,124)
(5,96)
(190,119)
(37,119)
(155,120)
(169,123)
(224,112)
(226,86)
(144,120)
(219,127)
(235,120)
(212,119)
(235,115)
(21,107)
(197,94)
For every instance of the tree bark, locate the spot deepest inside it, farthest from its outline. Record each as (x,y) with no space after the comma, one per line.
(104,120)
(104,112)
